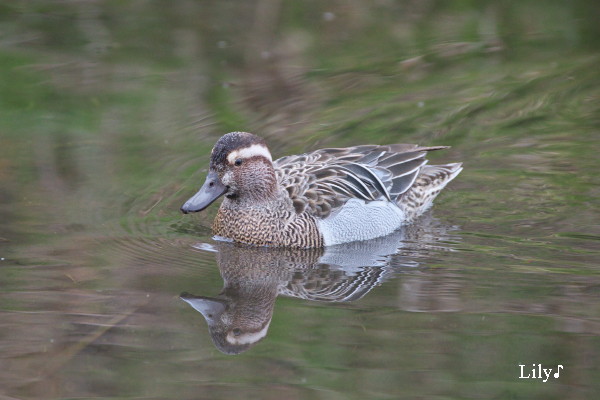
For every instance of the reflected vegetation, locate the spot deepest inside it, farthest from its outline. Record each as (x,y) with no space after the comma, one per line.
(107,106)
(240,315)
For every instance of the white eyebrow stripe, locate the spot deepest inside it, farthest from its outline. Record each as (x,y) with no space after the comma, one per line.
(250,151)
(248,338)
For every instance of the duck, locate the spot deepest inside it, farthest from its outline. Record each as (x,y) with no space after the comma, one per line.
(239,316)
(317,199)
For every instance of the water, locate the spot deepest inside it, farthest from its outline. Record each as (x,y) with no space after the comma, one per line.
(109,112)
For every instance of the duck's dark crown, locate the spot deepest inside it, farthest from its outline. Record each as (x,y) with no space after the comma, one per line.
(230,142)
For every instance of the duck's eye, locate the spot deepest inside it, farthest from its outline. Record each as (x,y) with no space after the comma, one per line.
(238,162)
(237,332)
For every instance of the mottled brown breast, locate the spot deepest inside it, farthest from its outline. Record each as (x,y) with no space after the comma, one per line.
(267,227)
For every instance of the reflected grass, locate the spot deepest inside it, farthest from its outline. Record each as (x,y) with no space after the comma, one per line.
(105,135)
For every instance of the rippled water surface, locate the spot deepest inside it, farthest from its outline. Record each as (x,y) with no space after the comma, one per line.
(108,114)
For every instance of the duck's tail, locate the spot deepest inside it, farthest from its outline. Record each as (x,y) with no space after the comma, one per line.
(429,183)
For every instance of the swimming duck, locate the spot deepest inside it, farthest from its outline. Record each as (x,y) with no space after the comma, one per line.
(322,198)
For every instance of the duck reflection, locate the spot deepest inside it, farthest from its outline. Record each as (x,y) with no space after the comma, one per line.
(239,316)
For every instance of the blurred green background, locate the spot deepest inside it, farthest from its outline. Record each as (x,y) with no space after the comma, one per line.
(108,112)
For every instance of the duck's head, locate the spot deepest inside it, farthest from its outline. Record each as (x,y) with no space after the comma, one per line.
(236,321)
(241,168)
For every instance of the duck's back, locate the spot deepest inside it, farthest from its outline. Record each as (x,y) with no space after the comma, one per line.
(362,192)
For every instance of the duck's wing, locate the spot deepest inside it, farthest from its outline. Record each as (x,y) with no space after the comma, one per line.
(321,181)
(332,284)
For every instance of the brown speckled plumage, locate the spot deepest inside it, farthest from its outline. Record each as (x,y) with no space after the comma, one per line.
(429,183)
(280,203)
(267,226)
